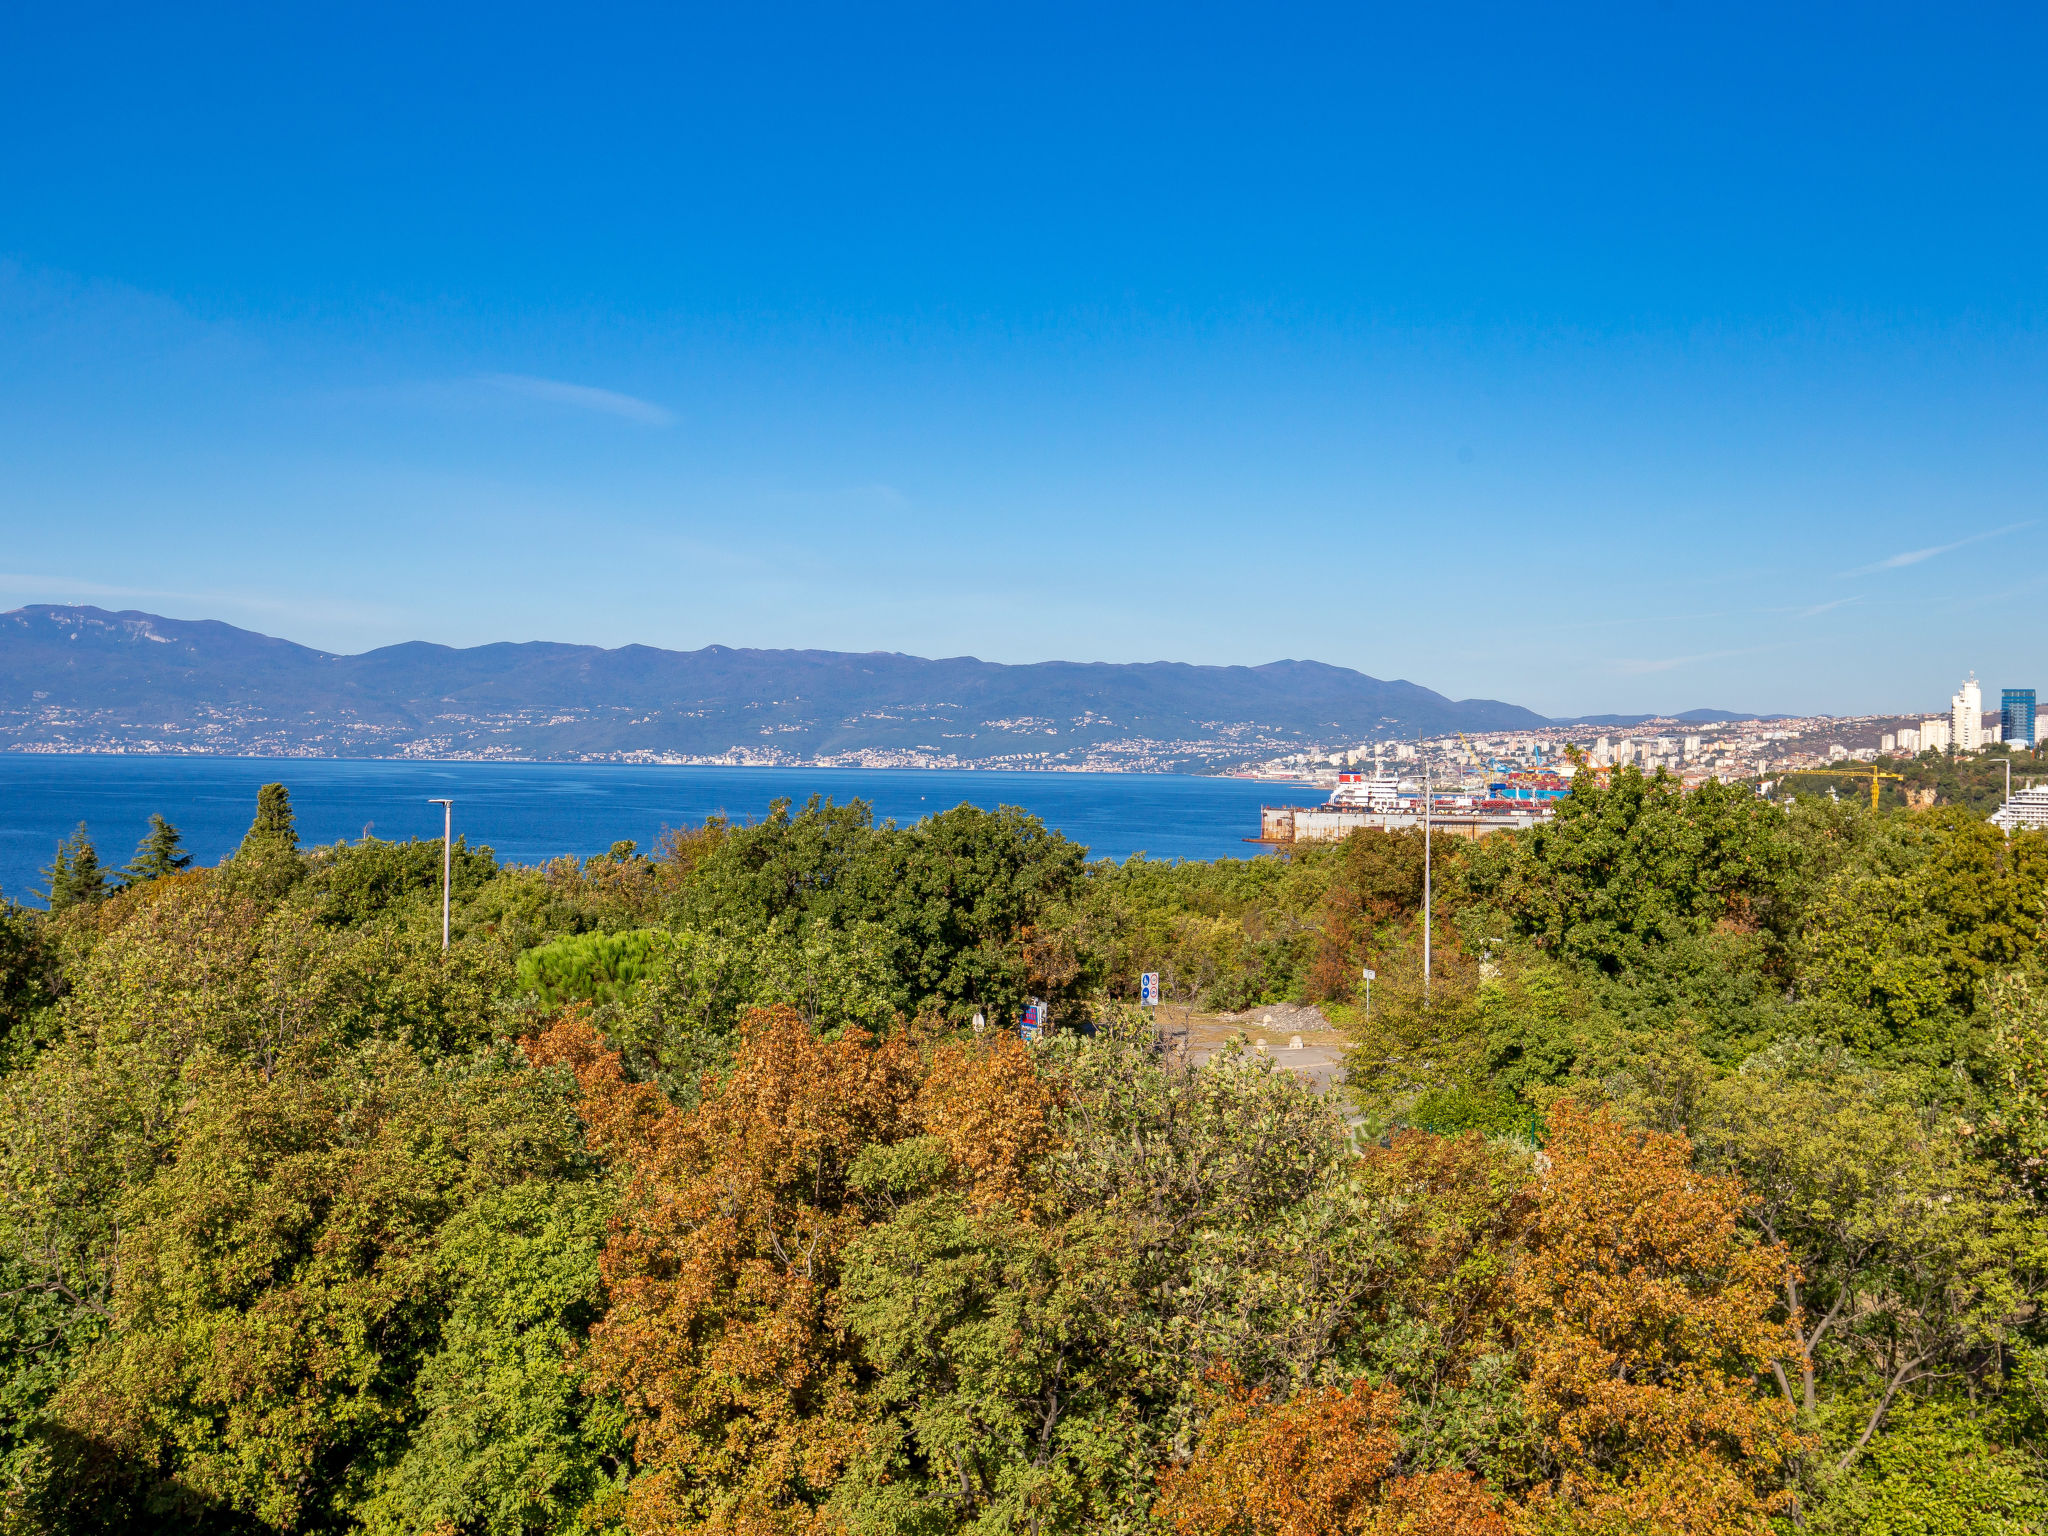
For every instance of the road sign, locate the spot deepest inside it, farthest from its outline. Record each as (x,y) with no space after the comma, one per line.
(1371,974)
(1148,989)
(1028,1025)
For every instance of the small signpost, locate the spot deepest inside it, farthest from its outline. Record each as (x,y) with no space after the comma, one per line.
(1371,976)
(1148,990)
(1034,1014)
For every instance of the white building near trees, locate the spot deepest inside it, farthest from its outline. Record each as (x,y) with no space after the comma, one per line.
(1966,716)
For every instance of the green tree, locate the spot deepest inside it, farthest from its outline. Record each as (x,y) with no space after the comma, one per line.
(1938,1474)
(30,981)
(592,967)
(1904,1257)
(161,853)
(353,883)
(268,862)
(75,876)
(1636,864)
(314,1252)
(275,824)
(1001,1394)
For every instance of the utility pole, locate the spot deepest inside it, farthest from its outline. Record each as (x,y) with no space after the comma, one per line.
(447,846)
(1428,794)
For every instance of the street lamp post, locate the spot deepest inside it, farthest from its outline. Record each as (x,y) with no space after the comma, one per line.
(447,846)
(1428,794)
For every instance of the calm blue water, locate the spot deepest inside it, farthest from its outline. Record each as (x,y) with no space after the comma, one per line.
(533,811)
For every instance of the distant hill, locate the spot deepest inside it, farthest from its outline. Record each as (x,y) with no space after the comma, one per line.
(84,679)
(1690,717)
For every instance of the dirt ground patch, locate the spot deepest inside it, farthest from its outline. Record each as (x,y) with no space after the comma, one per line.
(1296,1039)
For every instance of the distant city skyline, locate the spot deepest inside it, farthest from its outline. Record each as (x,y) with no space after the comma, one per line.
(1640,361)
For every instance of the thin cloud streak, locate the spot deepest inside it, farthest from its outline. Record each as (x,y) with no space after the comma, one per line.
(1914,556)
(1635,667)
(582,396)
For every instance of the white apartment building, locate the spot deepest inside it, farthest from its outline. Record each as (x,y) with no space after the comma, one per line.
(1909,741)
(1934,735)
(1888,743)
(2027,808)
(1966,716)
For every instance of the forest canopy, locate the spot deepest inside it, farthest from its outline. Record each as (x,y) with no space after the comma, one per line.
(1697,1188)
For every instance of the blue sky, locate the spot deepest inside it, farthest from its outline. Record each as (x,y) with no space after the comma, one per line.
(1646,357)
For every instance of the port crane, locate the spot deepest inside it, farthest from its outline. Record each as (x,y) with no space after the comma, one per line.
(1844,773)
(1578,757)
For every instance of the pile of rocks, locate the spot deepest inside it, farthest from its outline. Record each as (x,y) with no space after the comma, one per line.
(1279,1016)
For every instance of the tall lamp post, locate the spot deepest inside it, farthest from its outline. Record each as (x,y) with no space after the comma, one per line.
(447,845)
(1428,794)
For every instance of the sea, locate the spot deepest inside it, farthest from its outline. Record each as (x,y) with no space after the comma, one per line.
(531,812)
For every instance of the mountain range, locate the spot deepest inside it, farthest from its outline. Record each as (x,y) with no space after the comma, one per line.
(75,678)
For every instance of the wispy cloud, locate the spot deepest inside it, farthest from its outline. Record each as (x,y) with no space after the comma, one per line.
(581,396)
(1639,667)
(1820,608)
(1914,556)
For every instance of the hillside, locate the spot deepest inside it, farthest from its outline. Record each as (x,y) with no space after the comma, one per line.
(84,679)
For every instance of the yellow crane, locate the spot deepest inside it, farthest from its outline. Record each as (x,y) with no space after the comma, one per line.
(1844,773)
(1576,755)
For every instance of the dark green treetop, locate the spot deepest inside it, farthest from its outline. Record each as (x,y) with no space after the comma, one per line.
(274,827)
(268,863)
(75,876)
(159,854)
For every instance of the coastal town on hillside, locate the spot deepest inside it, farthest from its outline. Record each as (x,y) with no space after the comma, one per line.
(1476,784)
(1691,751)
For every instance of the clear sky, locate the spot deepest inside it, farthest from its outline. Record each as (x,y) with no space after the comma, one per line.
(1647,357)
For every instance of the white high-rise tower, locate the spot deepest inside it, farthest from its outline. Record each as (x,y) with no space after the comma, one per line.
(1966,716)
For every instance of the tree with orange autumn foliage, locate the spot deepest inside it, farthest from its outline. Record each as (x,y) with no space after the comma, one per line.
(745,1391)
(720,1339)
(1325,1463)
(1609,1286)
(1643,1315)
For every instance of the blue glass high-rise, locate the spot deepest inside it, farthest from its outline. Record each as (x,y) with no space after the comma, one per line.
(2016,716)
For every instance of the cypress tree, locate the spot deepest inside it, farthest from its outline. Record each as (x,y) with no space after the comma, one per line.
(75,876)
(268,863)
(159,854)
(275,828)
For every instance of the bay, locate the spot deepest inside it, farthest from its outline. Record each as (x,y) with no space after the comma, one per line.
(530,812)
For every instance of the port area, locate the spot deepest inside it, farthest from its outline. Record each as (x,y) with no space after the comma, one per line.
(1296,1040)
(1282,824)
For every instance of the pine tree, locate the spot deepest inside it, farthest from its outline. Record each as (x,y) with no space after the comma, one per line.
(159,854)
(75,876)
(274,828)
